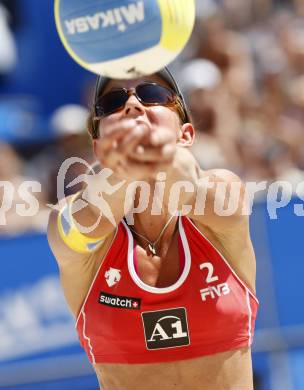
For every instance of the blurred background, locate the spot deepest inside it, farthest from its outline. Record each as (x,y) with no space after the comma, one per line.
(243,77)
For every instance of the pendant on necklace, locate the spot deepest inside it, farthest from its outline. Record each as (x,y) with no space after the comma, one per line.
(152,249)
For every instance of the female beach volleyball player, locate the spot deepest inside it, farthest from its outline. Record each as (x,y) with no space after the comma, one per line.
(166,302)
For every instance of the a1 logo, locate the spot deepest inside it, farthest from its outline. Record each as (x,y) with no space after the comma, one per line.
(166,328)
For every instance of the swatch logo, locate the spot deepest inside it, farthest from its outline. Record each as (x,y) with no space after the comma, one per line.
(119,301)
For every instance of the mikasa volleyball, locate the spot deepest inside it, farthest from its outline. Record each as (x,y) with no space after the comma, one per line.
(124,38)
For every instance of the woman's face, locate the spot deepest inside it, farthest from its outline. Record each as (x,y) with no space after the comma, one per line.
(155,117)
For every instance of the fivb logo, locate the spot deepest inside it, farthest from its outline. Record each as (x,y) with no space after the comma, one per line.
(166,328)
(121,17)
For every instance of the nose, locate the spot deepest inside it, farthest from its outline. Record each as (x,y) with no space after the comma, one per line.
(133,106)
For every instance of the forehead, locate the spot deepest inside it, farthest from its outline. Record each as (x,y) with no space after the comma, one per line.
(132,83)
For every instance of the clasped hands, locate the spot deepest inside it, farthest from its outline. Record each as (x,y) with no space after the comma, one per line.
(135,150)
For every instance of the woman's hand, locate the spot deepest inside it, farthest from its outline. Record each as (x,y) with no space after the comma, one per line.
(158,147)
(133,150)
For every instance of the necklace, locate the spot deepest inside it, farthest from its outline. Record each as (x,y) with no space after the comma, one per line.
(152,245)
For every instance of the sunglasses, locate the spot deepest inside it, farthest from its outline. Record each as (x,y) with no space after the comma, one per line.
(148,94)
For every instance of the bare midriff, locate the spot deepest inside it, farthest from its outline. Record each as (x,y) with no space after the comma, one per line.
(223,371)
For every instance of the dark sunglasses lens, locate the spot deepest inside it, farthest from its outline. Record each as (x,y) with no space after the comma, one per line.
(111,102)
(154,94)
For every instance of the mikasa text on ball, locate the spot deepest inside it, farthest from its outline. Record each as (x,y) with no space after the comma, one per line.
(124,38)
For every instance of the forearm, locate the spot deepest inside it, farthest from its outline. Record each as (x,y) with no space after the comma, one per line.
(104,204)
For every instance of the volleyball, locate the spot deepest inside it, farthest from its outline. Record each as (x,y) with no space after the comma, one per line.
(124,38)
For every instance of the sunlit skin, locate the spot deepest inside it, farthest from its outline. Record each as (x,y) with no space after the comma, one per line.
(136,142)
(140,133)
(139,141)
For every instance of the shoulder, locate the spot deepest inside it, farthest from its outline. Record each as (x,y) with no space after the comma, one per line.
(224,207)
(222,185)
(220,175)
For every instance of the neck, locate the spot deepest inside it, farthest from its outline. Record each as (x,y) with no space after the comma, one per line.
(153,211)
(151,225)
(152,235)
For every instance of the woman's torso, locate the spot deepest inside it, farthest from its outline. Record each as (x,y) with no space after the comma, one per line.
(231,369)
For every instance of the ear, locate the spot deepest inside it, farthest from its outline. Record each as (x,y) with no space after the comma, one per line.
(186,135)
